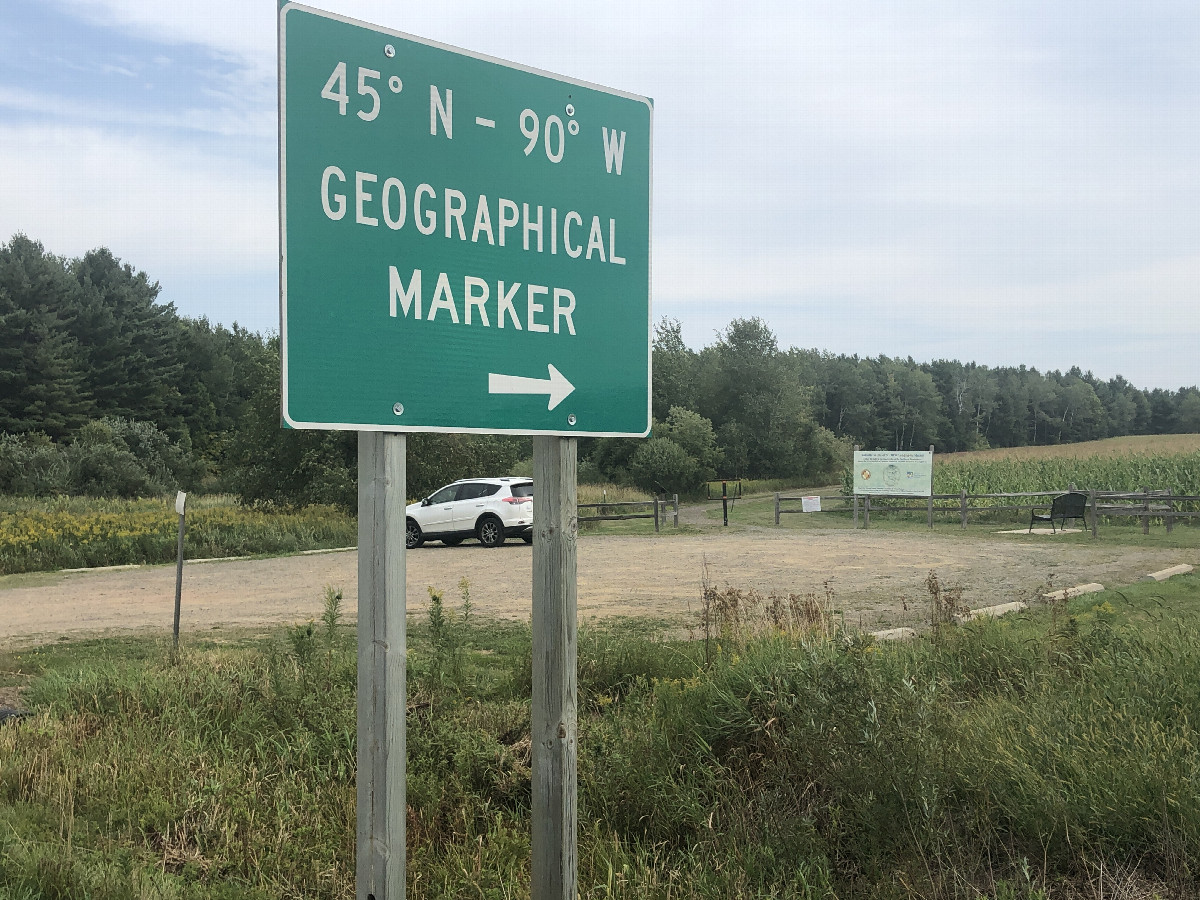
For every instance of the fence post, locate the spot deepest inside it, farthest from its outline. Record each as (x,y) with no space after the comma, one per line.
(777,507)
(1169,519)
(675,500)
(1092,500)
(962,507)
(656,515)
(725,504)
(1145,510)
(867,511)
(931,487)
(852,487)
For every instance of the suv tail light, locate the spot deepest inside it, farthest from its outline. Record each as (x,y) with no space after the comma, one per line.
(515,499)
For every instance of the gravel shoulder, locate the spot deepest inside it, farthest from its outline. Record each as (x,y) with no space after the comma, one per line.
(876,577)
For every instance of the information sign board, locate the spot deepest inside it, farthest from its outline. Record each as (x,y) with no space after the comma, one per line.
(906,473)
(465,242)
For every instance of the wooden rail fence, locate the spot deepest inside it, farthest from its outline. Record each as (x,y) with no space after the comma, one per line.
(1145,504)
(660,508)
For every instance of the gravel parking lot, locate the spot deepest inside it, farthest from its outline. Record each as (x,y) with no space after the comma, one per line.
(877,578)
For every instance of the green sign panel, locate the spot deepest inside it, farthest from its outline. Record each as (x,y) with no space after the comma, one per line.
(907,473)
(465,242)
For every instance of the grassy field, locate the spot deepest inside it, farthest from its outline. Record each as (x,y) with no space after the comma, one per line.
(69,532)
(1051,755)
(760,512)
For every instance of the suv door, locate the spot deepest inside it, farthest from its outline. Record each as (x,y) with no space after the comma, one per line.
(473,500)
(438,517)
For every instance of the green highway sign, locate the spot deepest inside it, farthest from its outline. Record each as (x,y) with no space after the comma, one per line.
(465,242)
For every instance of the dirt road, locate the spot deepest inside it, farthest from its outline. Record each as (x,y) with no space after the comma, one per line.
(877,578)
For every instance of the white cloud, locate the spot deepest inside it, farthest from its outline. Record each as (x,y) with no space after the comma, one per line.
(260,124)
(926,177)
(151,201)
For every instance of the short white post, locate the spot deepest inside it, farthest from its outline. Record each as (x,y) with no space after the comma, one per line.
(180,506)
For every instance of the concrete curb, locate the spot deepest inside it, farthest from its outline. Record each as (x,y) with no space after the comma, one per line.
(1164,574)
(992,612)
(895,634)
(1071,592)
(205,559)
(103,568)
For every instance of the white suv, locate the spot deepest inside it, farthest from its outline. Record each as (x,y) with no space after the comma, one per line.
(490,509)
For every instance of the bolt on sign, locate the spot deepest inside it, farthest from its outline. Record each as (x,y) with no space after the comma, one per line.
(465,242)
(893,472)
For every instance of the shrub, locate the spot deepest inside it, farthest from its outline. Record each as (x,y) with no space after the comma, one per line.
(31,465)
(661,466)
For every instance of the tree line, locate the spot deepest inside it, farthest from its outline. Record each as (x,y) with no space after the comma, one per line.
(898,404)
(103,389)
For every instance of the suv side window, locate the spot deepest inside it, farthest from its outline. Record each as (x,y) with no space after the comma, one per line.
(475,490)
(523,490)
(445,495)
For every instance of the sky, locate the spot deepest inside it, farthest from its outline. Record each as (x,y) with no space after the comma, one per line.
(1008,182)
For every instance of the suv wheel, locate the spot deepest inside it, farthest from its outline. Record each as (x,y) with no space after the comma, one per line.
(413,538)
(490,531)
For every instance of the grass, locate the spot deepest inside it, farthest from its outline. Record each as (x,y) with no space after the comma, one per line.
(1030,758)
(70,532)
(760,512)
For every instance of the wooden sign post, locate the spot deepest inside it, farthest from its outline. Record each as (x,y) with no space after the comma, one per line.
(555,534)
(382,699)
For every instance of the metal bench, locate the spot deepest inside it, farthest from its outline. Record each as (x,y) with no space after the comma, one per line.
(1065,506)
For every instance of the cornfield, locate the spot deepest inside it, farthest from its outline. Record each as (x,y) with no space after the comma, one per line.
(38,535)
(1179,472)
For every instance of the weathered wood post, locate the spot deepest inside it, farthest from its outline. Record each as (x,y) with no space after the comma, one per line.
(180,506)
(931,487)
(656,516)
(554,755)
(382,701)
(1169,519)
(777,507)
(1092,503)
(852,474)
(962,507)
(1145,509)
(725,503)
(867,511)
(675,501)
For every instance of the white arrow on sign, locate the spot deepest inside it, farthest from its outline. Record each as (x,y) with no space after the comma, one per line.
(556,385)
